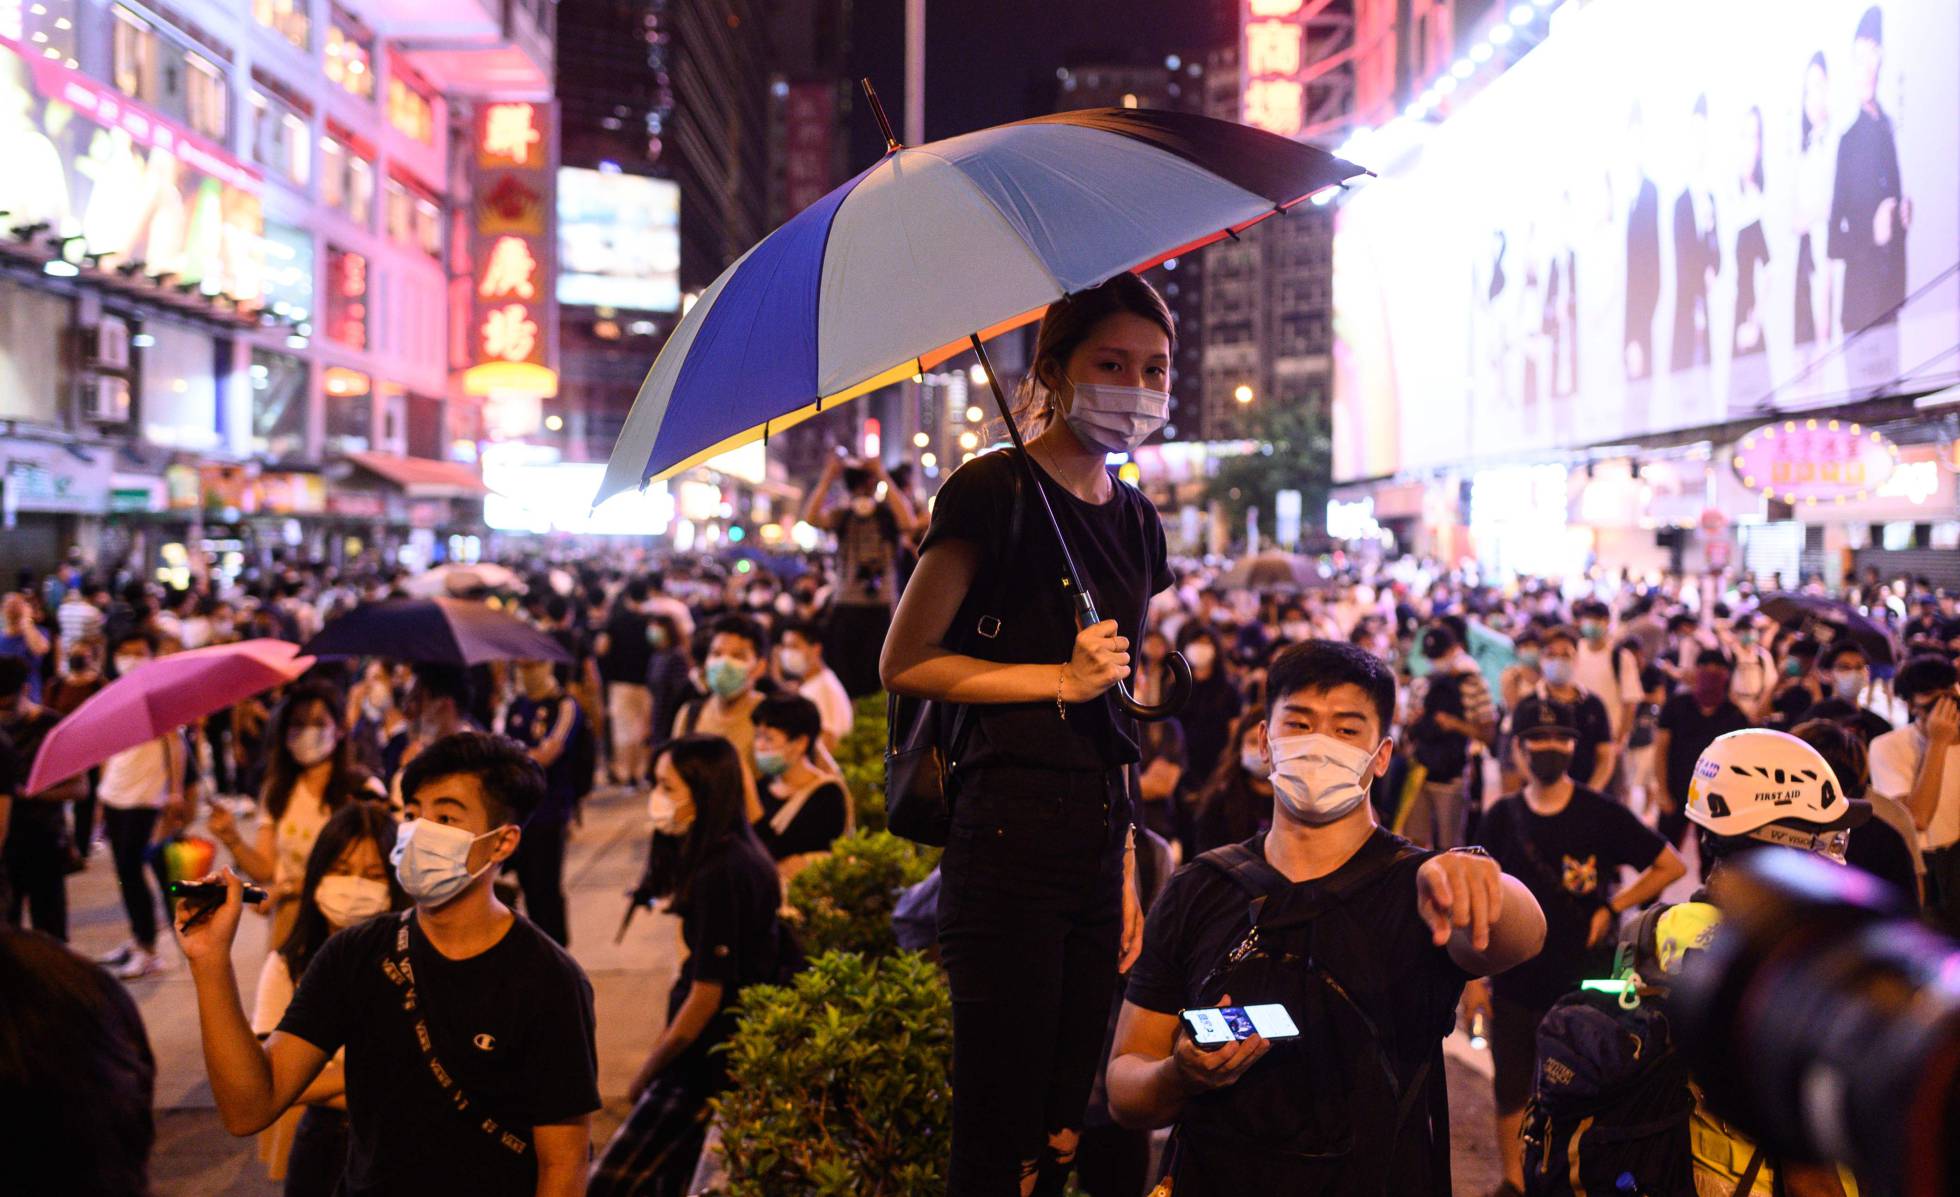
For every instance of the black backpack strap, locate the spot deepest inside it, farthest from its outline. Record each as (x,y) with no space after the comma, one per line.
(1747,1184)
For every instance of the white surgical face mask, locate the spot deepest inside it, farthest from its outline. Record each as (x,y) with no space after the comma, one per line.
(311,745)
(348,900)
(1200,653)
(1116,419)
(432,860)
(1318,778)
(1254,762)
(1848,684)
(129,664)
(666,814)
(795,662)
(1557,670)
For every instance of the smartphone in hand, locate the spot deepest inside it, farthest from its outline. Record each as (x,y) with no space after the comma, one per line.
(1216,1026)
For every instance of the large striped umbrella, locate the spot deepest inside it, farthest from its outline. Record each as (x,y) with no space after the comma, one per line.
(938,247)
(894,272)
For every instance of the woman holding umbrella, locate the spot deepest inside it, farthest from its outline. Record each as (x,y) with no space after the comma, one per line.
(1036,906)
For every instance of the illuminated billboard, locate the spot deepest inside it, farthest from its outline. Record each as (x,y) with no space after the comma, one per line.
(1672,214)
(619,241)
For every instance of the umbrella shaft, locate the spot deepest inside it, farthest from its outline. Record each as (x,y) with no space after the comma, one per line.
(1072,579)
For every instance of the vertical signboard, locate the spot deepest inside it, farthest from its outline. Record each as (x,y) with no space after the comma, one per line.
(513,324)
(810,115)
(1273,61)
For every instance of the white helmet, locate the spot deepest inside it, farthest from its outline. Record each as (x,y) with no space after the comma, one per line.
(1771,786)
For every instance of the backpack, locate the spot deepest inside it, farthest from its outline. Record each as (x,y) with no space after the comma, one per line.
(1269,1132)
(1610,1104)
(1444,754)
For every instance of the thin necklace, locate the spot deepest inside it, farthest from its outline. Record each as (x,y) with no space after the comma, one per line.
(1056,471)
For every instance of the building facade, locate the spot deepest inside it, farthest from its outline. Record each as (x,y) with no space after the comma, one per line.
(231,268)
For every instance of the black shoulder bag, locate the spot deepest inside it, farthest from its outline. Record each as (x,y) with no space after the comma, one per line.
(922,736)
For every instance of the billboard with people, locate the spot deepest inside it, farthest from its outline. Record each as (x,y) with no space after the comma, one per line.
(1669,215)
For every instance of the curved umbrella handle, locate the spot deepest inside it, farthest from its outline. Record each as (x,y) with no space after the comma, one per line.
(1174,695)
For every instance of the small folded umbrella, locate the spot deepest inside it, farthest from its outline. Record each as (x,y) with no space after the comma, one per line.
(446,631)
(1846,621)
(160,697)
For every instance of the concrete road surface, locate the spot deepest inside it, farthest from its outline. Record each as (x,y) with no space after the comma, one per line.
(194,1156)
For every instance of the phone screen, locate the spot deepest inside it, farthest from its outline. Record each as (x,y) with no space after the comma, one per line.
(1222,1024)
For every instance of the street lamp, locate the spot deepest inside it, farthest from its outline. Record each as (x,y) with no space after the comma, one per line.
(921,439)
(969,441)
(928,460)
(974,414)
(976,374)
(1242,393)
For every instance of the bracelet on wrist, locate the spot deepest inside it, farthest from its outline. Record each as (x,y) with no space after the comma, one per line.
(1061,683)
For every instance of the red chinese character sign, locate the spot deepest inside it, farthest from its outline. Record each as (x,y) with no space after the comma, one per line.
(1814,461)
(512,333)
(1274,58)
(347,298)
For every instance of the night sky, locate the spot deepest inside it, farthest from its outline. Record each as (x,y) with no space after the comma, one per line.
(989,61)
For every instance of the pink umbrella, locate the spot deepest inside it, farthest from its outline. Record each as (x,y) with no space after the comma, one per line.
(160,697)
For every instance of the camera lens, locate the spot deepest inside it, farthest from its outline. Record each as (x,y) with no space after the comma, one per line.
(1826,1022)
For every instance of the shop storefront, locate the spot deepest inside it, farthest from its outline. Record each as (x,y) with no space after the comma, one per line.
(52,498)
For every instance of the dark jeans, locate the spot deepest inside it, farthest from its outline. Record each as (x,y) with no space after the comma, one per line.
(319,1154)
(129,844)
(1943,888)
(37,866)
(1030,914)
(540,864)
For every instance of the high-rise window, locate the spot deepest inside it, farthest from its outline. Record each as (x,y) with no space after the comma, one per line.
(287,18)
(154,67)
(410,112)
(350,56)
(281,141)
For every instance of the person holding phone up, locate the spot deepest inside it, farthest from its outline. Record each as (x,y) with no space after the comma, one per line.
(1364,938)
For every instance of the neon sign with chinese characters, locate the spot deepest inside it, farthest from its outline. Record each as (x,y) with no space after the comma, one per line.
(1814,461)
(1274,53)
(513,315)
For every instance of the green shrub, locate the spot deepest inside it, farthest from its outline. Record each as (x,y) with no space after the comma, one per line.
(846,898)
(839,1084)
(862,757)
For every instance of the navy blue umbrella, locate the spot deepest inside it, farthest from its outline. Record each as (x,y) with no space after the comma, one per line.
(1846,622)
(447,631)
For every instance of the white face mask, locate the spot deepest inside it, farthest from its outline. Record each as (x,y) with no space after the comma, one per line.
(1557,670)
(1254,762)
(348,900)
(311,745)
(1116,419)
(130,664)
(432,860)
(666,815)
(1848,684)
(1296,629)
(1318,778)
(1200,653)
(795,662)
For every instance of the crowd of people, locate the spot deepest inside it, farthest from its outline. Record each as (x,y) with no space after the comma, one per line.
(1438,797)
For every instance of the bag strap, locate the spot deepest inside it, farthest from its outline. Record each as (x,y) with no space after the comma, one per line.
(1249,870)
(395,964)
(1748,1182)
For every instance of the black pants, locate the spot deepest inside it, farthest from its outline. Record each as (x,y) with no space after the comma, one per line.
(129,844)
(319,1154)
(36,863)
(540,863)
(1030,914)
(1943,888)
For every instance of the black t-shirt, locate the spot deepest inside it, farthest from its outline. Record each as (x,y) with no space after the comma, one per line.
(627,650)
(1119,549)
(729,928)
(530,722)
(1867,723)
(1202,915)
(513,1026)
(1571,862)
(573,641)
(813,828)
(1689,732)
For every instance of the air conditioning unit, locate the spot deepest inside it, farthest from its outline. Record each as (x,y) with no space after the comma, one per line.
(111,348)
(107,401)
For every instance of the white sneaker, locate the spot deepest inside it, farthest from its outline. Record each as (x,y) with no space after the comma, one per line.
(119,957)
(141,964)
